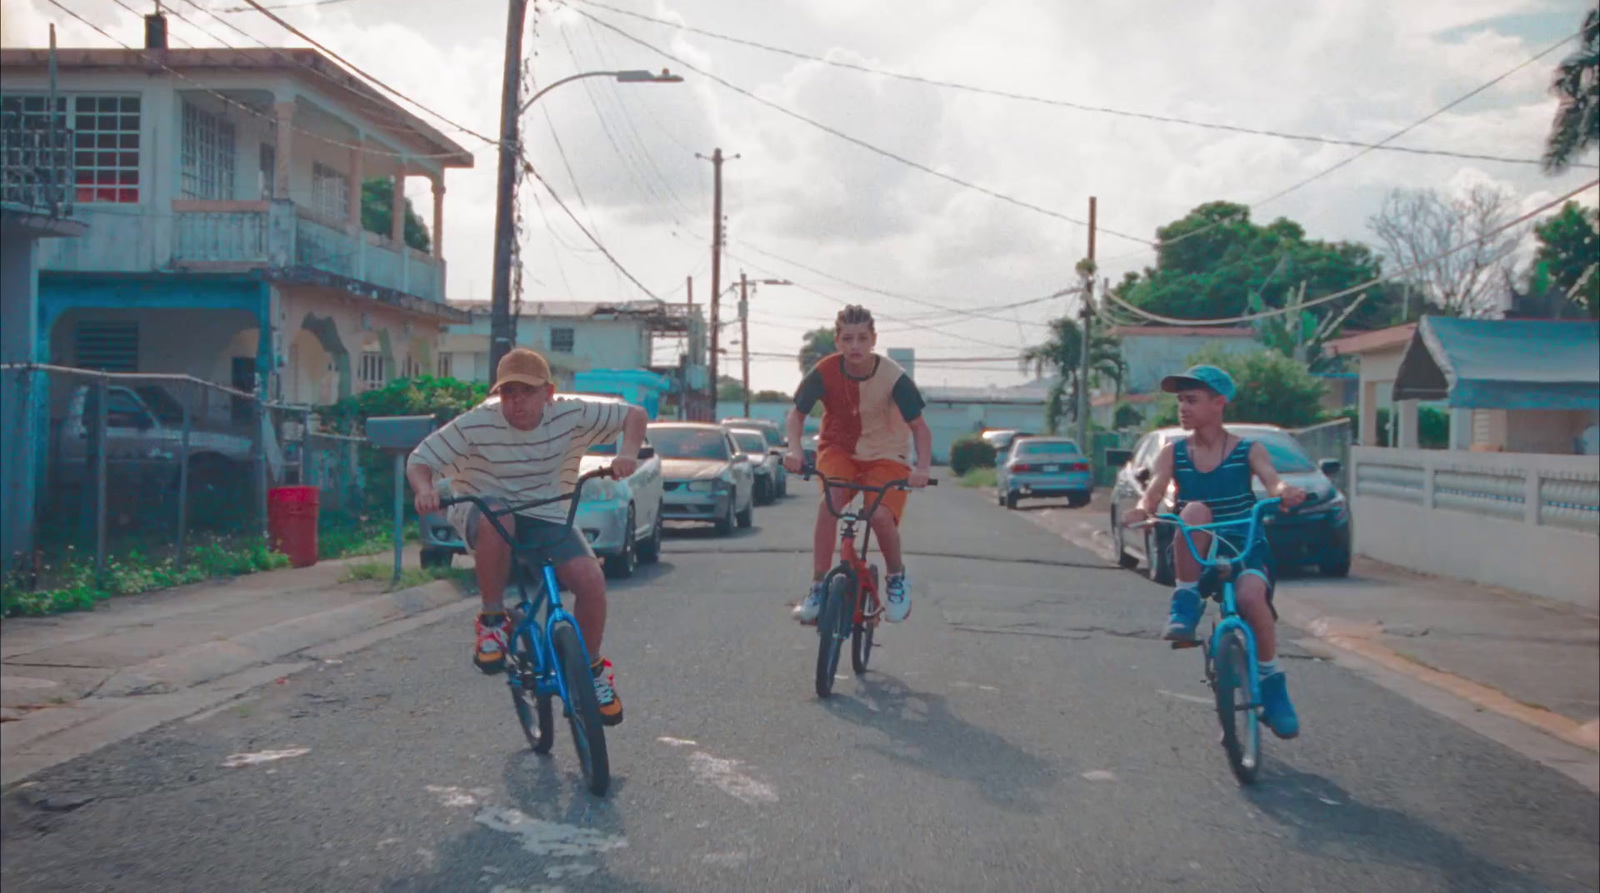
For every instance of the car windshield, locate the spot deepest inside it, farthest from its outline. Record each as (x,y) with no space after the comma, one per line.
(752,442)
(690,443)
(769,431)
(1285,452)
(1047,448)
(163,404)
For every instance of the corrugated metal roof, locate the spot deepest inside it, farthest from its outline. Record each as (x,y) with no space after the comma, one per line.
(1503,364)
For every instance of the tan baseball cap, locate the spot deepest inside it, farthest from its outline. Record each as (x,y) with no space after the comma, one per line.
(522,366)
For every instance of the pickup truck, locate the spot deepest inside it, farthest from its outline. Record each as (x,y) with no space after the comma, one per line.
(144,444)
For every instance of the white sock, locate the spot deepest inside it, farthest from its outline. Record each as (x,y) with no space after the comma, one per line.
(1267,667)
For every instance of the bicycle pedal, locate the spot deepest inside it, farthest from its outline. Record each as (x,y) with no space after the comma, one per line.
(1178,646)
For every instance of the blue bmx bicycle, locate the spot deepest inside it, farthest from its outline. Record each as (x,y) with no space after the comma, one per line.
(548,659)
(1230,651)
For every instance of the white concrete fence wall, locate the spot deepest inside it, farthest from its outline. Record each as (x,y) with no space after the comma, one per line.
(1523,521)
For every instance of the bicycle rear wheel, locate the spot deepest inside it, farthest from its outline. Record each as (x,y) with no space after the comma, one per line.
(534,712)
(583,710)
(833,624)
(1241,731)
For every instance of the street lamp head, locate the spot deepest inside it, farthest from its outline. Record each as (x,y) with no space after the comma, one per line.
(648,77)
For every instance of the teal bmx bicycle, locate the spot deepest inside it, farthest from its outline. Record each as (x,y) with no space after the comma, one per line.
(548,659)
(1230,651)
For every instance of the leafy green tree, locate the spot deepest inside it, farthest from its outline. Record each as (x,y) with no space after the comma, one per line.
(1269,388)
(377,213)
(1215,263)
(730,389)
(442,398)
(1569,249)
(1062,357)
(817,344)
(1576,127)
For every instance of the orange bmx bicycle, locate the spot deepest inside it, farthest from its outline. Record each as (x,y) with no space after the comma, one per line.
(850,606)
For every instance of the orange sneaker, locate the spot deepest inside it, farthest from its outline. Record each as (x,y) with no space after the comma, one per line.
(490,653)
(605,690)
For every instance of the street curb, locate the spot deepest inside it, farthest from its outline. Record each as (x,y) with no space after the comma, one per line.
(198,664)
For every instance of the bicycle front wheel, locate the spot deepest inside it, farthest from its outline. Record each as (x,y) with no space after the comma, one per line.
(1241,732)
(861,635)
(833,625)
(583,710)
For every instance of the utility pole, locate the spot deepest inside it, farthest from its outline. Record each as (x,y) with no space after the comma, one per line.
(744,336)
(502,328)
(716,269)
(1087,270)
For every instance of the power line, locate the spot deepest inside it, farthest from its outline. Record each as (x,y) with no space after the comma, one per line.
(832,131)
(306,5)
(358,70)
(1365,151)
(1355,289)
(579,224)
(1062,103)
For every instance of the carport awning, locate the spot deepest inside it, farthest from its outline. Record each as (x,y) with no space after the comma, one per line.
(1502,364)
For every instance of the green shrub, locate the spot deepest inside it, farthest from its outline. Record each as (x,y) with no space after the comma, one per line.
(970,451)
(74,587)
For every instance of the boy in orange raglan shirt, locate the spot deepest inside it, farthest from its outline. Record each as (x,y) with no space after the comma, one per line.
(871,417)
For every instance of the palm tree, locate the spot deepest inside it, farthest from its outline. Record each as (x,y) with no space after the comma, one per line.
(1061,356)
(817,344)
(1577,82)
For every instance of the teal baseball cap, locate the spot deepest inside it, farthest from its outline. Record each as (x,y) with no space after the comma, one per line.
(1209,377)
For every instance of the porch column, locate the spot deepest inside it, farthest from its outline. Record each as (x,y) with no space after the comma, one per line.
(1460,429)
(285,149)
(1369,413)
(438,217)
(397,230)
(1406,414)
(356,176)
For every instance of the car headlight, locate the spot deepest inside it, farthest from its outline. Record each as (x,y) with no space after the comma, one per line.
(600,490)
(702,486)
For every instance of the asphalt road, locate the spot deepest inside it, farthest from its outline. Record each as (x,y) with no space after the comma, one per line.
(1023,730)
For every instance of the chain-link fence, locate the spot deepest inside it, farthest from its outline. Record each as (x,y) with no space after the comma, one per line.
(155,463)
(1329,440)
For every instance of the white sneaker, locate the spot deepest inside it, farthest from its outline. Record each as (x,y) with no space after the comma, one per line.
(810,607)
(897,598)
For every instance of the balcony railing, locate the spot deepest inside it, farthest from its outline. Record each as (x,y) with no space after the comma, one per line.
(36,165)
(211,235)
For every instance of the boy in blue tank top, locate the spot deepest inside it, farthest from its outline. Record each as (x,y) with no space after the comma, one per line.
(1212,470)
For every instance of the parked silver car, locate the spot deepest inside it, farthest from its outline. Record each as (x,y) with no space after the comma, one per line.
(707,477)
(766,464)
(1041,468)
(604,514)
(777,444)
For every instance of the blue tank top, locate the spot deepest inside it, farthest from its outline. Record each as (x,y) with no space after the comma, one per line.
(1225,489)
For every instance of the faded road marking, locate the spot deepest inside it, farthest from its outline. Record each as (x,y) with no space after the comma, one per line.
(455,797)
(544,838)
(725,775)
(1100,775)
(676,742)
(1193,699)
(263,756)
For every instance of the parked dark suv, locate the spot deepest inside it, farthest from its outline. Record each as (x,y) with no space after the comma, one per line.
(1317,532)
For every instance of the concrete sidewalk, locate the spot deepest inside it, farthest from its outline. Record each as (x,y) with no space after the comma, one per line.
(71,683)
(1523,658)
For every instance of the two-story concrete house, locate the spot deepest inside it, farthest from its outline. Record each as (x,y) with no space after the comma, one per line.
(576,336)
(223,193)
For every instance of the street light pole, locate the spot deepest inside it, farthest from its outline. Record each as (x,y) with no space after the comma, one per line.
(502,326)
(744,328)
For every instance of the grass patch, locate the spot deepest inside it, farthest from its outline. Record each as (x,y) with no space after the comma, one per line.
(73,585)
(978,477)
(409,576)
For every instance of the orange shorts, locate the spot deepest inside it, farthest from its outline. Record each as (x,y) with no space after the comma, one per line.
(837,463)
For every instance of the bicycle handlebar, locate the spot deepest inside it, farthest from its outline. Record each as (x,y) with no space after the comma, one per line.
(1253,533)
(843,484)
(493,514)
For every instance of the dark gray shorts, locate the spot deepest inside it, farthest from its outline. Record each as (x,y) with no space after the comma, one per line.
(542,539)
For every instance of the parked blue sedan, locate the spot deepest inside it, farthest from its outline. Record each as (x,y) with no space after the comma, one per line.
(1043,468)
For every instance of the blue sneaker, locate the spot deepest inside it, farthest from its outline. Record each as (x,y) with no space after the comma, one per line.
(897,601)
(1276,710)
(1187,607)
(806,612)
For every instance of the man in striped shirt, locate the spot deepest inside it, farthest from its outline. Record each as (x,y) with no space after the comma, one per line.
(1213,469)
(519,446)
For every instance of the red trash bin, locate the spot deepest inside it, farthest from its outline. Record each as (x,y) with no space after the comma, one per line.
(292,523)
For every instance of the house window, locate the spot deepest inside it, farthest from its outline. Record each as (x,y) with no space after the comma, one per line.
(107,346)
(410,368)
(207,155)
(268,176)
(444,366)
(561,339)
(372,368)
(105,141)
(330,192)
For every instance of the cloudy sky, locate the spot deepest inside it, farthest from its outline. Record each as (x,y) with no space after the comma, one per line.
(909,243)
